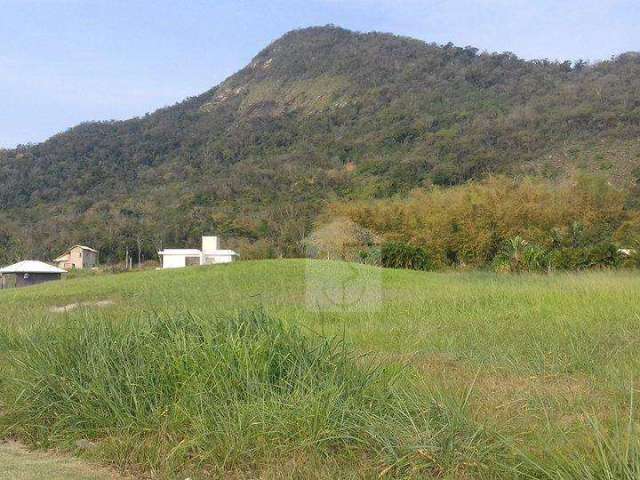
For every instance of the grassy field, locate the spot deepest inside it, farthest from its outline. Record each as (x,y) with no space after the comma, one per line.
(295,369)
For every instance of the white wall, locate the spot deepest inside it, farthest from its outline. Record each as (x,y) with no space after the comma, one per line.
(212,260)
(174,261)
(180,260)
(224,258)
(209,244)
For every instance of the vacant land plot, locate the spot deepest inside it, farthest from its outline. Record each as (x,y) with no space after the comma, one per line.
(444,375)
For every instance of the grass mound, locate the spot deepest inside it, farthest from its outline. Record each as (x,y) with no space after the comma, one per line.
(174,393)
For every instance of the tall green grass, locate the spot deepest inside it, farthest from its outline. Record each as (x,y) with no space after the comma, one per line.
(180,392)
(612,452)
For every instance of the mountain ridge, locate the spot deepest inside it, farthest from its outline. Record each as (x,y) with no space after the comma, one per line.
(320,113)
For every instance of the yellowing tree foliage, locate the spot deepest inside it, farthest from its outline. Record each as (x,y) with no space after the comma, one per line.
(469,224)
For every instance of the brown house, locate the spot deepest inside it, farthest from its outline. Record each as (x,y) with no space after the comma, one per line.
(78,257)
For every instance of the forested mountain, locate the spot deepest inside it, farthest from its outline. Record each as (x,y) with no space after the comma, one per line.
(321,114)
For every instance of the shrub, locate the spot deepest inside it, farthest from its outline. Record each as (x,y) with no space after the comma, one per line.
(631,260)
(536,259)
(403,255)
(517,255)
(605,256)
(569,258)
(371,256)
(341,239)
(598,256)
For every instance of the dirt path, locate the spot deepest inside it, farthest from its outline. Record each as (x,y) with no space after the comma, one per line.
(17,463)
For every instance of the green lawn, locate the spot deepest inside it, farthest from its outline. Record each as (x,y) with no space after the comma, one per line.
(544,365)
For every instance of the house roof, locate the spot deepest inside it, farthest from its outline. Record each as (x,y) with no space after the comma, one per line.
(84,247)
(31,266)
(180,251)
(194,251)
(65,255)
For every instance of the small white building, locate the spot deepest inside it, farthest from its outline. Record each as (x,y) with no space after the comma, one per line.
(209,255)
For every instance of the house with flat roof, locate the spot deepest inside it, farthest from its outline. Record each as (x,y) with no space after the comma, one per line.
(209,255)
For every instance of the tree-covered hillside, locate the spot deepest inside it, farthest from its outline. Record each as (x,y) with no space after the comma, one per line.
(321,114)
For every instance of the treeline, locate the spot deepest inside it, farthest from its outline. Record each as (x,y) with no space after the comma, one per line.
(139,229)
(501,223)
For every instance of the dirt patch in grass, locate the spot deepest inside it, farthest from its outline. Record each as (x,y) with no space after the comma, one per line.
(73,306)
(568,387)
(17,463)
(450,367)
(502,395)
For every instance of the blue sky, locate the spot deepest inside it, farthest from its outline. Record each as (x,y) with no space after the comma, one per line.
(67,61)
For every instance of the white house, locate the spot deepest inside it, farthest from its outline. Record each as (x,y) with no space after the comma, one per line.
(209,255)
